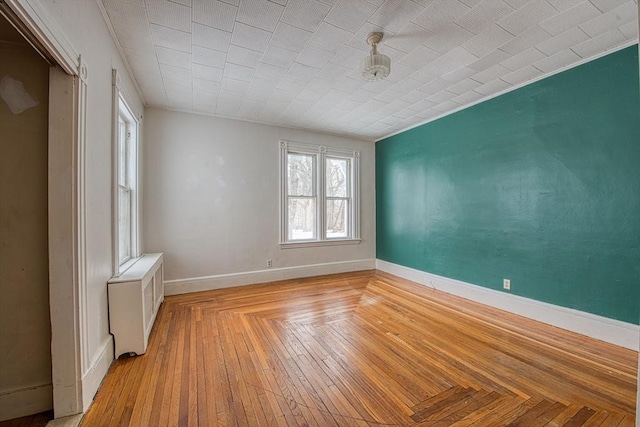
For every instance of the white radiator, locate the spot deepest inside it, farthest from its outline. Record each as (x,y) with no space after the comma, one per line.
(134,300)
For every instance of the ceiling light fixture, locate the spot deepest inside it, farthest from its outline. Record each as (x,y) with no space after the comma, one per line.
(376,66)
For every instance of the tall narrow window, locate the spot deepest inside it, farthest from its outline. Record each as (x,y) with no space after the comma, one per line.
(125,173)
(302,197)
(124,188)
(319,195)
(338,179)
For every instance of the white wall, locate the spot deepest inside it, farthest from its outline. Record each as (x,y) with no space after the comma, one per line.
(86,30)
(211,199)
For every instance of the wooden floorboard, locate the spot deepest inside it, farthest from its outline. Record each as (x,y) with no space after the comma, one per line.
(361,349)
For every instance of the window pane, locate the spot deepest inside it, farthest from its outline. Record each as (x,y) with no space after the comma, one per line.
(302,218)
(122,153)
(337,218)
(337,177)
(124,224)
(300,173)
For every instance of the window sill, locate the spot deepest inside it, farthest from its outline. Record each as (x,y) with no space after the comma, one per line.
(309,244)
(126,265)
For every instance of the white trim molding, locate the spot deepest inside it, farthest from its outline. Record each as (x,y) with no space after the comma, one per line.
(68,288)
(310,244)
(64,288)
(81,211)
(207,283)
(96,372)
(613,331)
(25,401)
(48,37)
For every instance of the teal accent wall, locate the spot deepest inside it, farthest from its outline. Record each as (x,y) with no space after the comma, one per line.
(540,185)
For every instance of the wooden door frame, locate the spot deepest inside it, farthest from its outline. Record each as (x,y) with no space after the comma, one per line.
(66,204)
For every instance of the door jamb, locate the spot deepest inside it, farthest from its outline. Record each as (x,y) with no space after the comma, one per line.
(66,187)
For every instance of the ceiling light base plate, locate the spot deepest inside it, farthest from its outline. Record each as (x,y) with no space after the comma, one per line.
(374,38)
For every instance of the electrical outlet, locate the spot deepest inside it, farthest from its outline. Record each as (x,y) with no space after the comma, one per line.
(269,263)
(506,283)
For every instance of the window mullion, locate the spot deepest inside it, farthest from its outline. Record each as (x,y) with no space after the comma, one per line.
(354,187)
(322,201)
(284,191)
(317,194)
(349,178)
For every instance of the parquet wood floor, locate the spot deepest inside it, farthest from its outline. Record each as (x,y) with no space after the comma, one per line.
(361,349)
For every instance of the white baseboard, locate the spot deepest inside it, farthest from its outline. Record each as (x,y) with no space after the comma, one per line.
(70,421)
(25,401)
(197,284)
(613,331)
(92,379)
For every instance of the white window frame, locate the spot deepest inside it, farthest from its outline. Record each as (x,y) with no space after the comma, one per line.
(321,154)
(122,112)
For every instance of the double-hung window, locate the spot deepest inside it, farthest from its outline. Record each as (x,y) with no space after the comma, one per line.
(125,172)
(319,195)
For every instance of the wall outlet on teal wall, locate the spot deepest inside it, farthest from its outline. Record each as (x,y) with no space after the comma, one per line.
(506,283)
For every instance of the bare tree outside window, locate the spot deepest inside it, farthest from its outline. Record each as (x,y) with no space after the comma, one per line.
(126,183)
(124,193)
(319,198)
(301,194)
(338,197)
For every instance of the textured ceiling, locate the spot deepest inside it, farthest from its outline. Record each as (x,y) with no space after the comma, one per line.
(296,62)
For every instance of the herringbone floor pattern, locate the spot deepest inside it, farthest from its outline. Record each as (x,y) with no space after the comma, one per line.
(361,349)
